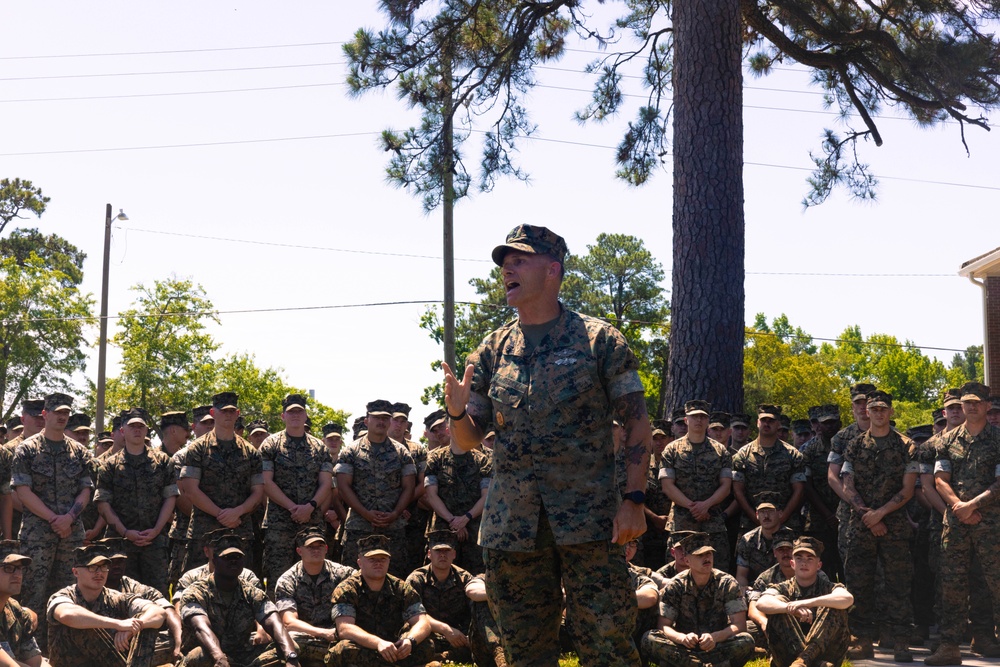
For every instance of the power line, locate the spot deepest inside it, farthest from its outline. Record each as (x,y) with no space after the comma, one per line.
(173,94)
(487,261)
(156,53)
(285,309)
(184,71)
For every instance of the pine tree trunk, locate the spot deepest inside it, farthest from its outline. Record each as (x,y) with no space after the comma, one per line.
(707,302)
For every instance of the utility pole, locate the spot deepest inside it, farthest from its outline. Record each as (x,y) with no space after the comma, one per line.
(448,209)
(102,353)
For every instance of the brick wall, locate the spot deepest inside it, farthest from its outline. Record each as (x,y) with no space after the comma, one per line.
(992,343)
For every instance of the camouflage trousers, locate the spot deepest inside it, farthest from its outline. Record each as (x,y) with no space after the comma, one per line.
(654,548)
(441,649)
(415,540)
(825,639)
(484,637)
(891,607)
(397,547)
(312,650)
(149,565)
(833,566)
(525,595)
(178,552)
(657,648)
(346,653)
(723,556)
(960,544)
(249,656)
(50,570)
(469,555)
(87,648)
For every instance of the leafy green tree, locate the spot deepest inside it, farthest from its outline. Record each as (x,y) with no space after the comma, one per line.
(42,313)
(165,347)
(934,60)
(966,366)
(19,196)
(52,249)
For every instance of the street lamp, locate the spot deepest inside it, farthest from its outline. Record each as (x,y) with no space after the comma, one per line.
(102,355)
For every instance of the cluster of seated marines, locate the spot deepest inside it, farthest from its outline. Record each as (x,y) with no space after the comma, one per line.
(688,614)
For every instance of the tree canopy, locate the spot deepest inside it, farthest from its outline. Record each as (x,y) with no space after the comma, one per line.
(19,196)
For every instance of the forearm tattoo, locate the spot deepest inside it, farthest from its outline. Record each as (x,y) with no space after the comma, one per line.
(76,509)
(629,410)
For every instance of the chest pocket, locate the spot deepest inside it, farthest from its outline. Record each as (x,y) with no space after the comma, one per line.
(507,390)
(565,388)
(43,465)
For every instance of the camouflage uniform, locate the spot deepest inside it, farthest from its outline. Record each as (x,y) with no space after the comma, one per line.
(6,465)
(825,639)
(16,635)
(296,464)
(645,618)
(312,601)
(699,610)
(233,622)
(767,579)
(460,480)
(838,445)
(974,465)
(178,529)
(383,613)
(416,524)
(877,467)
(196,574)
(445,601)
(755,552)
(377,471)
(85,648)
(697,471)
(163,652)
(772,469)
(56,472)
(548,514)
(226,473)
(816,457)
(136,488)
(654,541)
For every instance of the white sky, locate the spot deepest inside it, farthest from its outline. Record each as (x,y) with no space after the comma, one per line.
(325,188)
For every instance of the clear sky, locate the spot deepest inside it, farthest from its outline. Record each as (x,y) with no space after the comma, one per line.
(219,149)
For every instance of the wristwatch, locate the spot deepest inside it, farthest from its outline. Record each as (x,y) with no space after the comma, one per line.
(637,497)
(313,503)
(292,657)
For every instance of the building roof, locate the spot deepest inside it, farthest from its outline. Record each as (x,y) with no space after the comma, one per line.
(987,264)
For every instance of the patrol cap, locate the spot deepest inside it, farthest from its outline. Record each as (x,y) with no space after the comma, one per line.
(10,552)
(740,419)
(115,547)
(202,413)
(135,416)
(379,407)
(677,415)
(174,418)
(994,405)
(861,390)
(533,240)
(308,536)
(801,426)
(698,543)
(813,413)
(238,424)
(767,500)
(57,402)
(785,421)
(309,423)
(808,545)
(697,407)
(441,539)
(78,422)
(975,391)
(374,545)
(434,418)
(229,542)
(14,424)
(116,422)
(677,537)
(937,416)
(880,399)
(33,406)
(661,427)
(105,436)
(258,425)
(783,537)
(293,401)
(920,433)
(951,397)
(400,410)
(93,554)
(3,429)
(719,420)
(225,400)
(333,428)
(828,413)
(359,427)
(766,411)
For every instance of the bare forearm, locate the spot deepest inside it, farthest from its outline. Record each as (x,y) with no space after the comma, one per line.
(191,489)
(34,504)
(630,410)
(254,499)
(166,514)
(347,494)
